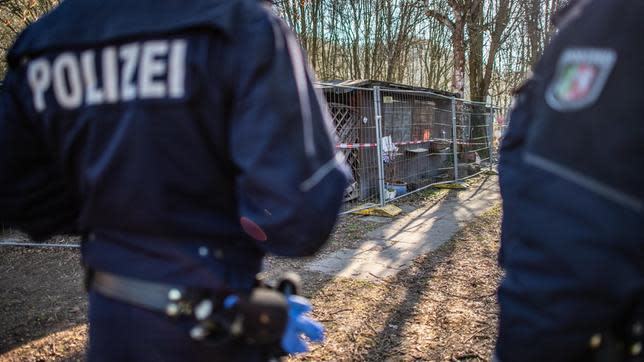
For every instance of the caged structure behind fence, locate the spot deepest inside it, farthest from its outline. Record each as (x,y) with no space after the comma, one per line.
(399,139)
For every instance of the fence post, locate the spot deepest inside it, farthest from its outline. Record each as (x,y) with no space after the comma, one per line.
(490,135)
(454,139)
(381,167)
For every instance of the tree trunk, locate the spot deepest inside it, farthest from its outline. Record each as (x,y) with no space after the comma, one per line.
(458,46)
(533,18)
(475,31)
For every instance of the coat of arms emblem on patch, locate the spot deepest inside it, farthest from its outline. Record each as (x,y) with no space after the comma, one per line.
(581,76)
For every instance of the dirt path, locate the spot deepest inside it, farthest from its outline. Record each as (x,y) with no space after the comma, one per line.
(441,308)
(392,247)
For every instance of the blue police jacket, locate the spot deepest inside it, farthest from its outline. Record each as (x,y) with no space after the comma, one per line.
(571,180)
(183,139)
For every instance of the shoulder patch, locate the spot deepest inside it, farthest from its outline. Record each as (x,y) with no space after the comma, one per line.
(580,78)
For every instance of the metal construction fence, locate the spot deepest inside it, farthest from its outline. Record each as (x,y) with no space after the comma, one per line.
(398,142)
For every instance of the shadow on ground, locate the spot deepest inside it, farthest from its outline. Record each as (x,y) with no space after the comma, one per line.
(41,293)
(442,308)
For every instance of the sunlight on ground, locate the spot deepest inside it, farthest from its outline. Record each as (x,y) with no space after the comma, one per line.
(68,345)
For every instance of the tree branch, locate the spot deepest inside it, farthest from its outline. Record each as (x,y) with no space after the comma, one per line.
(442,18)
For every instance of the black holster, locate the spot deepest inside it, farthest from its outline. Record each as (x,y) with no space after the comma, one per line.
(259,317)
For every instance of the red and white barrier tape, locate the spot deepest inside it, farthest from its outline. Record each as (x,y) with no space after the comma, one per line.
(369,145)
(345,146)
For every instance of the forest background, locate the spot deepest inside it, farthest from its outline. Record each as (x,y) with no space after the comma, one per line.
(481,49)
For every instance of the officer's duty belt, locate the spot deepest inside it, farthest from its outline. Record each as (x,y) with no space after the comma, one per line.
(170,300)
(260,317)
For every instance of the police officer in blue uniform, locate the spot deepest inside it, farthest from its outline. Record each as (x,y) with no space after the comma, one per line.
(184,140)
(571,180)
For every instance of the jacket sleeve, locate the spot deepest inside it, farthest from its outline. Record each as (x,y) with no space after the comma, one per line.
(572,196)
(33,198)
(290,181)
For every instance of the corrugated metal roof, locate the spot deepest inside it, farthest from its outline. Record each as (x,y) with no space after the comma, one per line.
(368,83)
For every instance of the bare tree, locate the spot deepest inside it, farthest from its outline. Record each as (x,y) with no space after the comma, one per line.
(476,48)
(454,17)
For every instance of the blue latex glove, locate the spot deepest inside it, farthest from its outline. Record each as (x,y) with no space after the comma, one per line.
(300,325)
(230,301)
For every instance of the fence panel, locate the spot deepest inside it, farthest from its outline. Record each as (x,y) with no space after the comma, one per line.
(353,112)
(499,127)
(474,138)
(399,141)
(416,134)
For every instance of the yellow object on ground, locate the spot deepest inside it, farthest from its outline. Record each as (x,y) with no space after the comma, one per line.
(387,211)
(452,186)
